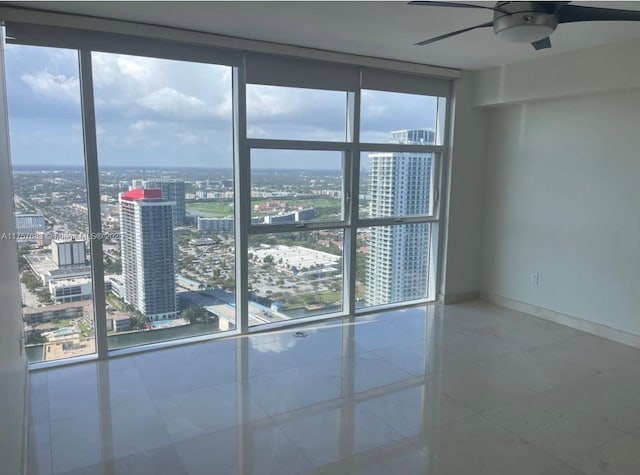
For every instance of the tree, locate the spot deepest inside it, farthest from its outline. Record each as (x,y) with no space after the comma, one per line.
(22,261)
(113,266)
(35,338)
(30,281)
(43,295)
(138,320)
(195,313)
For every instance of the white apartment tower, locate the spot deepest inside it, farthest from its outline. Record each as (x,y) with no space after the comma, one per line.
(397,263)
(148,252)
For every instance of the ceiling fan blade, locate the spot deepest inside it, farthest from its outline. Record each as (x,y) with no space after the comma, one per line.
(458,5)
(544,43)
(551,7)
(442,37)
(573,13)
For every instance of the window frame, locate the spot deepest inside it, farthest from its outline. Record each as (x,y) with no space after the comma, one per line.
(356,78)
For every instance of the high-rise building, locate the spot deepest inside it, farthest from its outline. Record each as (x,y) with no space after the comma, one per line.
(68,253)
(172,190)
(398,255)
(148,252)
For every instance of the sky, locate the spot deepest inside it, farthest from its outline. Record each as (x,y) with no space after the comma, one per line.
(163,113)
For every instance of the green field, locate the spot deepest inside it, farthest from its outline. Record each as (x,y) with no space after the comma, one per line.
(211,209)
(222,208)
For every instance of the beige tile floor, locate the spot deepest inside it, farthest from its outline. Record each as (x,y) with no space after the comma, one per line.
(463,389)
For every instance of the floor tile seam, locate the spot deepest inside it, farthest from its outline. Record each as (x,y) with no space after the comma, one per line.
(484,359)
(402,438)
(377,351)
(584,382)
(112,460)
(258,423)
(300,365)
(511,380)
(549,343)
(380,420)
(293,443)
(98,410)
(310,409)
(191,389)
(100,414)
(477,412)
(267,414)
(542,363)
(376,357)
(585,413)
(90,367)
(163,424)
(526,439)
(623,434)
(392,364)
(608,341)
(405,440)
(87,413)
(560,457)
(523,401)
(451,468)
(70,382)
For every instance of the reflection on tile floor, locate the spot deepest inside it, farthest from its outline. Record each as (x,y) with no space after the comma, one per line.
(463,389)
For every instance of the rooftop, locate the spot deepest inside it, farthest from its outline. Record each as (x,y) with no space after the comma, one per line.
(142,194)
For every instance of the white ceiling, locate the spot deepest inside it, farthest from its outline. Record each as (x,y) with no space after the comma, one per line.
(380,29)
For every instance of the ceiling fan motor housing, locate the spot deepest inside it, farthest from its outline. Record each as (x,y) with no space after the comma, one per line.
(524,22)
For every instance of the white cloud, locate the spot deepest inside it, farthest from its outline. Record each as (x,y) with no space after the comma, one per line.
(189,138)
(173,103)
(266,101)
(54,86)
(141,125)
(137,69)
(376,110)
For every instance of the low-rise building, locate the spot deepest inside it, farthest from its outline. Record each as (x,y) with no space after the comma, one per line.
(52,313)
(218,225)
(70,290)
(305,214)
(29,224)
(119,323)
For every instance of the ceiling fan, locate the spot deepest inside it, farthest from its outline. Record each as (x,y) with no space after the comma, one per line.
(532,22)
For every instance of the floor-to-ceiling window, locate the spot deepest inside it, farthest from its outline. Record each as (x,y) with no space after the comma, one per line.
(216,190)
(50,201)
(165,154)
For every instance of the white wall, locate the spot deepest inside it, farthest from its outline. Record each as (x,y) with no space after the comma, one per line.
(461,272)
(563,200)
(610,67)
(12,363)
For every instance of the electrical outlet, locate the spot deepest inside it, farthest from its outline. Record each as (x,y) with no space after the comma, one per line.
(534,279)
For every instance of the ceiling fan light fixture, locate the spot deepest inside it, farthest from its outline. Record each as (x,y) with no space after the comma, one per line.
(524,33)
(524,26)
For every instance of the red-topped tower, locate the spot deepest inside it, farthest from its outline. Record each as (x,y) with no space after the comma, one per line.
(148,252)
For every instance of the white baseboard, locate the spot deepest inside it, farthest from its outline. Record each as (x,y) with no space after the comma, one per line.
(458,298)
(564,319)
